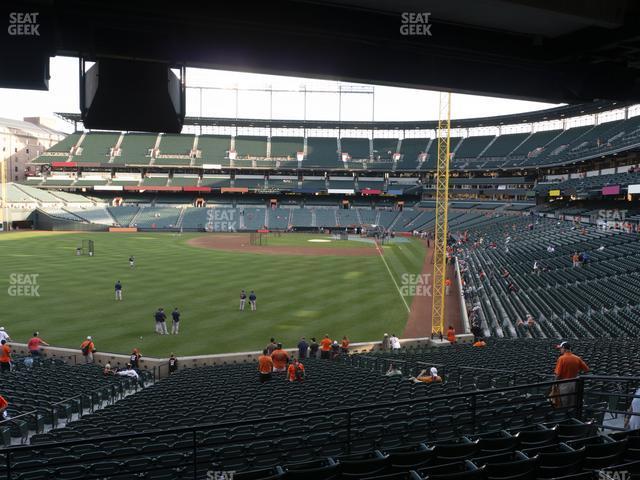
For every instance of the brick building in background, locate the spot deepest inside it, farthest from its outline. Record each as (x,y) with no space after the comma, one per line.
(23,140)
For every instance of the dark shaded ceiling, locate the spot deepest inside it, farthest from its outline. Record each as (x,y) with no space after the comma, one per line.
(548,50)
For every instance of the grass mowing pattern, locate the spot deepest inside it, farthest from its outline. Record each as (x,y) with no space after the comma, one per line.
(297,295)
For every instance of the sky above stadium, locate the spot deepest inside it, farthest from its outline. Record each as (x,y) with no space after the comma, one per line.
(242,95)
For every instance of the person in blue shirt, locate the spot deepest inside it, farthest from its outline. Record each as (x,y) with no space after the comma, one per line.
(243,299)
(175,327)
(161,324)
(303,347)
(118,290)
(252,300)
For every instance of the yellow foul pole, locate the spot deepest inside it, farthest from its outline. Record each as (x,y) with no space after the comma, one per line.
(442,205)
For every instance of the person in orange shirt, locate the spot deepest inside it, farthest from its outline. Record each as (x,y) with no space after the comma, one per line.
(34,345)
(325,347)
(295,371)
(87,348)
(575,259)
(5,357)
(344,346)
(480,343)
(265,366)
(451,334)
(568,366)
(447,286)
(280,359)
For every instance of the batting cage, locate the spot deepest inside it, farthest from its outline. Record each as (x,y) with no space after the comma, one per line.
(86,248)
(257,238)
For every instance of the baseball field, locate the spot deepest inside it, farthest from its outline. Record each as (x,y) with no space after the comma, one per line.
(306,285)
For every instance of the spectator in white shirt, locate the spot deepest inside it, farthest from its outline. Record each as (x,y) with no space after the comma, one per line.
(4,335)
(395,342)
(128,372)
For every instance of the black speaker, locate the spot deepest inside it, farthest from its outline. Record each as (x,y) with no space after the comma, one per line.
(132,95)
(26,43)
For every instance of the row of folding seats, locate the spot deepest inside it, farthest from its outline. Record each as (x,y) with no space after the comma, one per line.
(515,359)
(532,453)
(610,280)
(548,446)
(49,390)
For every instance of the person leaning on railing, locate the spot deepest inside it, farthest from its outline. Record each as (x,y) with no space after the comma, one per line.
(431,377)
(568,366)
(5,356)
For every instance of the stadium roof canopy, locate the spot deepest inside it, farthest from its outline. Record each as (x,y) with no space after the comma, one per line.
(547,50)
(557,113)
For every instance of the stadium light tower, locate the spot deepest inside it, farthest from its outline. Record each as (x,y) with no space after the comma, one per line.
(442,205)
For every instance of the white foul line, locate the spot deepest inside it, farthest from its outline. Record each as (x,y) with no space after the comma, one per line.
(393,278)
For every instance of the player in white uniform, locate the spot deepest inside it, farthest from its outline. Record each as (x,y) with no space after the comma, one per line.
(243,299)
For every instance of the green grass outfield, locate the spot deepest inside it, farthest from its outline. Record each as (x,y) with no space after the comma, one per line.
(297,295)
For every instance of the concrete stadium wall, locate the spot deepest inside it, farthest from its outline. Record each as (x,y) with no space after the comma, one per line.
(43,221)
(161,365)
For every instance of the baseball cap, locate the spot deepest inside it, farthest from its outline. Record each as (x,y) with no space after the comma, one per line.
(564,345)
(434,371)
(89,337)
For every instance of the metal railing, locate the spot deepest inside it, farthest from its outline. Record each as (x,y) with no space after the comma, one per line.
(624,390)
(84,401)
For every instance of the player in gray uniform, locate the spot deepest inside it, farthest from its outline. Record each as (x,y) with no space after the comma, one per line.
(243,299)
